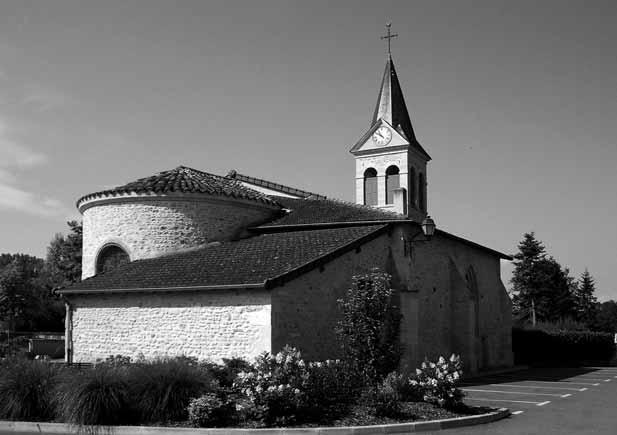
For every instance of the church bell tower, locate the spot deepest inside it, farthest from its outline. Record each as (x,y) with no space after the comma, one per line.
(390,162)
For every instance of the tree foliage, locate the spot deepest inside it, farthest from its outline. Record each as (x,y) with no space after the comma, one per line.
(26,302)
(540,284)
(585,298)
(605,317)
(370,326)
(64,256)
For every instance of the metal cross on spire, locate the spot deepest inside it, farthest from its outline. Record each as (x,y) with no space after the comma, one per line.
(389,36)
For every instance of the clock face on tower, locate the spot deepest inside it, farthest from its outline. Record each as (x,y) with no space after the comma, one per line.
(382,136)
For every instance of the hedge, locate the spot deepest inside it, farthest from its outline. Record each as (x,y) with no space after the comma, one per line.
(536,345)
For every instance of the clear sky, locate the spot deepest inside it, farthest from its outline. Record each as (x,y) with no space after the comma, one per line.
(516,101)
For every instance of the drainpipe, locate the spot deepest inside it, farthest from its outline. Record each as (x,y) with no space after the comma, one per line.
(68,332)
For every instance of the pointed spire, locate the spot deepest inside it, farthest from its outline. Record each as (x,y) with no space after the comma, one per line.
(391,104)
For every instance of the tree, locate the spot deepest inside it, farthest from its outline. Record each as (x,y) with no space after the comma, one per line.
(26,302)
(370,326)
(585,298)
(14,294)
(64,256)
(606,317)
(542,290)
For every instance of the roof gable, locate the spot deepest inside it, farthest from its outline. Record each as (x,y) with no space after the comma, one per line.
(365,144)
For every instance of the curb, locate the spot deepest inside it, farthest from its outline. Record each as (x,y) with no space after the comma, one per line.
(392,429)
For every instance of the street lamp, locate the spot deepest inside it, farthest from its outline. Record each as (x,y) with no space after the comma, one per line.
(428,231)
(428,227)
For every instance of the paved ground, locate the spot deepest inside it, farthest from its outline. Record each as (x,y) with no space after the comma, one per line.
(547,401)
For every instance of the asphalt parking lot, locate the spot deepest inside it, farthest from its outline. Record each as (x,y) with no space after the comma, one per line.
(547,401)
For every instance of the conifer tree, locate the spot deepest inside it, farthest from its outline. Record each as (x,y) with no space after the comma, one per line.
(586,300)
(542,290)
(531,251)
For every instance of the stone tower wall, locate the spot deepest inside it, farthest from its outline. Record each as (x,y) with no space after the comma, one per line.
(147,227)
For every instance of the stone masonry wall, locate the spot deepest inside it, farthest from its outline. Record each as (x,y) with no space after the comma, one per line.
(207,325)
(447,318)
(148,227)
(304,311)
(438,312)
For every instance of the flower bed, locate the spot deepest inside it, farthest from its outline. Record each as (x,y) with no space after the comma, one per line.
(274,391)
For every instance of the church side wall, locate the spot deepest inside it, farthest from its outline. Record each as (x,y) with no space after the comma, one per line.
(146,228)
(304,310)
(447,317)
(208,325)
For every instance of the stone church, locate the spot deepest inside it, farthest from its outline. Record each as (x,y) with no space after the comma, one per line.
(186,262)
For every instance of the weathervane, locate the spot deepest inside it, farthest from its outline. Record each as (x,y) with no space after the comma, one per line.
(389,36)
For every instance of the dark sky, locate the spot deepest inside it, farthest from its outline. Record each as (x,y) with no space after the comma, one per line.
(516,102)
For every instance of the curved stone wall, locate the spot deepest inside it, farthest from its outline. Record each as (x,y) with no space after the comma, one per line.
(149,226)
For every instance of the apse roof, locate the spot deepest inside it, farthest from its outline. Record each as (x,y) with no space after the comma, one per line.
(185,180)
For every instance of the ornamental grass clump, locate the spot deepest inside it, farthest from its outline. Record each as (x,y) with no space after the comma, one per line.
(162,389)
(438,381)
(27,390)
(97,396)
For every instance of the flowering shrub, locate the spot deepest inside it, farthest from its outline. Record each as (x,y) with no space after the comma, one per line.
(282,389)
(439,380)
(273,388)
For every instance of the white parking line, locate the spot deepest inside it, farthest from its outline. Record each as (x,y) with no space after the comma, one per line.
(517,412)
(511,401)
(566,395)
(538,386)
(511,392)
(590,379)
(563,382)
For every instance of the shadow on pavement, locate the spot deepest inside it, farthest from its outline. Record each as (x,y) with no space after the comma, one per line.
(557,374)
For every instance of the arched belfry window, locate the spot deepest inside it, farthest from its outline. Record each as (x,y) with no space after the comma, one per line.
(392,182)
(110,257)
(370,187)
(421,192)
(412,187)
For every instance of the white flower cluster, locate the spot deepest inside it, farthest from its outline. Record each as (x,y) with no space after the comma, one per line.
(439,381)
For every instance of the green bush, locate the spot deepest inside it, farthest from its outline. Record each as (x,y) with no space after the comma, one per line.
(385,398)
(330,387)
(370,326)
(27,390)
(94,396)
(535,345)
(211,410)
(162,389)
(226,373)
